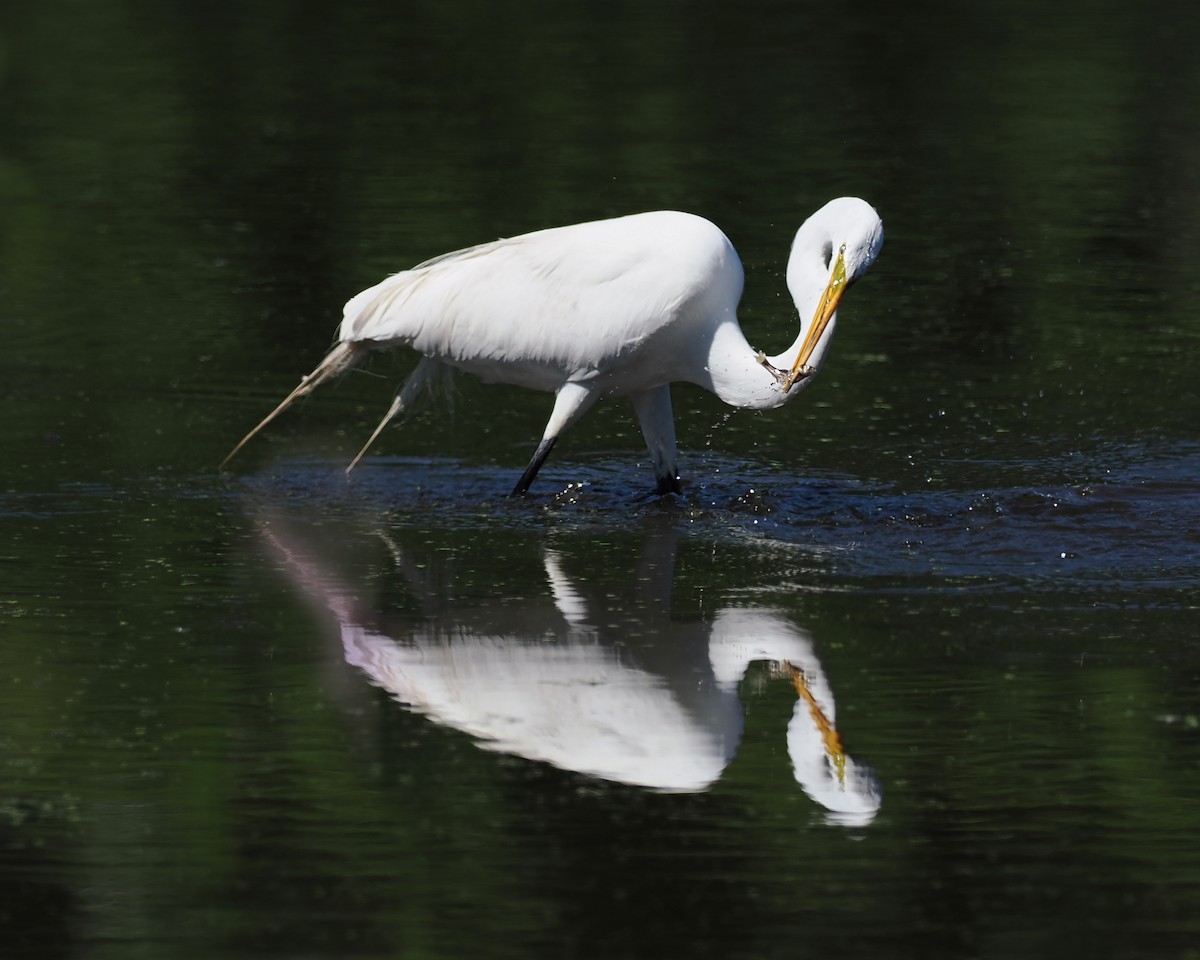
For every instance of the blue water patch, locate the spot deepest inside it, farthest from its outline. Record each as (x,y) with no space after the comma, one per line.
(1133,526)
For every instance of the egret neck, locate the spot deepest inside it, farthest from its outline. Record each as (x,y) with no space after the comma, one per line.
(744,377)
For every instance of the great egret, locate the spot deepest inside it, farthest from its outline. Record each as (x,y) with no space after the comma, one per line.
(619,307)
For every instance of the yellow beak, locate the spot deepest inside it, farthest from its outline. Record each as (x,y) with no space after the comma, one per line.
(829,735)
(825,309)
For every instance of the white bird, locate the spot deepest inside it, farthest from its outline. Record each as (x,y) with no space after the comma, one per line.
(619,307)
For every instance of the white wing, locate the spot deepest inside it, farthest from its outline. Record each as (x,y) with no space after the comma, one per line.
(570,300)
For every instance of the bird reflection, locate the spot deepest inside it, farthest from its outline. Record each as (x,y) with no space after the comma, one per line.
(627,695)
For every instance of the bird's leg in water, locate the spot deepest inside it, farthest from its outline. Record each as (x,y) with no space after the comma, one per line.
(539,457)
(571,402)
(653,409)
(668,485)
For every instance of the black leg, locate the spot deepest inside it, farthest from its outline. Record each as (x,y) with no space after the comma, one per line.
(539,457)
(668,484)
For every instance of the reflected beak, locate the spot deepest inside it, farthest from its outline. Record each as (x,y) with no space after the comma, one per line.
(829,735)
(825,310)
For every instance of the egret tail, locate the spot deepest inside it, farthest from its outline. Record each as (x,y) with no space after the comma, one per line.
(341,358)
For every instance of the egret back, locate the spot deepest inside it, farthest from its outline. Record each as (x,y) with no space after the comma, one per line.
(559,304)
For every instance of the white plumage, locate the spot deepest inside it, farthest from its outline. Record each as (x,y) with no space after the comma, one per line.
(569,303)
(620,307)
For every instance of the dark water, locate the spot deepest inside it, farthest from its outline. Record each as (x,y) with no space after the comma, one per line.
(910,670)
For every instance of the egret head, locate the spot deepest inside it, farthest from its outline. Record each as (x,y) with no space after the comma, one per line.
(832,249)
(849,226)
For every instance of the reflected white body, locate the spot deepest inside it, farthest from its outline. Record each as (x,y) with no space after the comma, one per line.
(577,706)
(544,680)
(573,705)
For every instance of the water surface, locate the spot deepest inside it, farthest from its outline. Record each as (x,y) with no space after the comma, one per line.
(910,669)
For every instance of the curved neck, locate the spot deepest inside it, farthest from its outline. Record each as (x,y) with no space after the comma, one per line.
(735,374)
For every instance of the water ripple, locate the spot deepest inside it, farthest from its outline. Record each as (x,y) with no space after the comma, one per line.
(1134,525)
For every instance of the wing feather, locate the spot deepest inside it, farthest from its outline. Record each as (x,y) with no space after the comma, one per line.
(570,299)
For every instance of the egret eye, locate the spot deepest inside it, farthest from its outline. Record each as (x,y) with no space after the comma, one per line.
(827,253)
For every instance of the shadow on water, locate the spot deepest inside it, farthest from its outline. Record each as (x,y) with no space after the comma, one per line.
(571,675)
